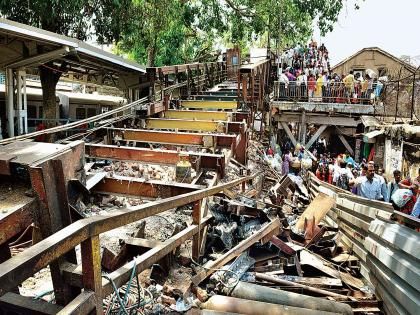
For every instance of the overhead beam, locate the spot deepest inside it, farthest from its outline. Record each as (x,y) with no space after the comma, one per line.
(316,136)
(219,93)
(210,97)
(170,157)
(319,119)
(176,138)
(197,115)
(289,133)
(39,59)
(360,109)
(197,125)
(209,104)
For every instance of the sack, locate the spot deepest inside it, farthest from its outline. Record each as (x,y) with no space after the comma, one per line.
(401,196)
(343,181)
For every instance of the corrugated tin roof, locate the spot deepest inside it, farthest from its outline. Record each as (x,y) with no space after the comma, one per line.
(370,121)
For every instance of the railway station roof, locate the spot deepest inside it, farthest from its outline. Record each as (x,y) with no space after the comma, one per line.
(78,60)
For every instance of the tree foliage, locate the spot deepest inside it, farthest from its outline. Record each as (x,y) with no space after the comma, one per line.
(179,31)
(102,20)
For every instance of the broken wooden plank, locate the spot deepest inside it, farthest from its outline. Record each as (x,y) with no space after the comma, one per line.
(318,208)
(271,228)
(307,258)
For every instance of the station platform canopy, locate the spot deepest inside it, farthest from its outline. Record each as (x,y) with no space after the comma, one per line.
(28,47)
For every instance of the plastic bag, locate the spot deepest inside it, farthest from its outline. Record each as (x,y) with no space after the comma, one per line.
(401,196)
(416,209)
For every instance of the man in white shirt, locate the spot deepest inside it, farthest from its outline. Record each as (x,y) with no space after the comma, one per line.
(342,176)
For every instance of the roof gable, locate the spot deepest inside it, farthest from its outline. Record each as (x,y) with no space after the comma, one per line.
(406,65)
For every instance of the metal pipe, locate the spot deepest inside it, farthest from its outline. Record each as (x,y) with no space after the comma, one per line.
(260,293)
(9,103)
(248,307)
(261,276)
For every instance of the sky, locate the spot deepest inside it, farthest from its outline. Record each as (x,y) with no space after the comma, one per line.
(393,25)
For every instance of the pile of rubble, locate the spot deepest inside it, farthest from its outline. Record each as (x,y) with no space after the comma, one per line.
(266,252)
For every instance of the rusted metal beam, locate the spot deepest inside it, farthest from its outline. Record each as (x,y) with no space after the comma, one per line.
(16,214)
(198,160)
(137,187)
(282,246)
(12,303)
(120,276)
(176,138)
(271,228)
(33,259)
(91,264)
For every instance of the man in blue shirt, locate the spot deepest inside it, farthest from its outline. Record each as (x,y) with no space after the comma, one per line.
(368,186)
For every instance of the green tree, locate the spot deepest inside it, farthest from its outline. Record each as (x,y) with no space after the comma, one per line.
(76,18)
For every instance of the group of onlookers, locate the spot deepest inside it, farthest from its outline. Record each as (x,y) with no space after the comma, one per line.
(306,76)
(367,180)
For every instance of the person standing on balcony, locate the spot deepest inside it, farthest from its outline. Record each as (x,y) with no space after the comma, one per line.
(318,88)
(311,87)
(349,81)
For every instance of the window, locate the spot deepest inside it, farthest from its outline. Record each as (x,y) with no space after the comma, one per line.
(31,111)
(382,72)
(91,112)
(40,112)
(80,113)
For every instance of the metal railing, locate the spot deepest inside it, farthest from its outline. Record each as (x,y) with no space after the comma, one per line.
(336,92)
(86,233)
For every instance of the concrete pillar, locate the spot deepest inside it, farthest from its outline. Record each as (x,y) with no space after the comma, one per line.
(9,103)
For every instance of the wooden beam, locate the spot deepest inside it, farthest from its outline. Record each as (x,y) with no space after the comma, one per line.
(316,136)
(318,119)
(289,133)
(344,141)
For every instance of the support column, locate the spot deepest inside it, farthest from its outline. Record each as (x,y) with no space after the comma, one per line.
(289,133)
(22,103)
(344,141)
(303,129)
(9,103)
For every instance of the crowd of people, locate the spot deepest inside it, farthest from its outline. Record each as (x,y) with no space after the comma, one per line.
(365,179)
(306,75)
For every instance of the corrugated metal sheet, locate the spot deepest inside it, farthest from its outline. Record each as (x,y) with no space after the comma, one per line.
(388,251)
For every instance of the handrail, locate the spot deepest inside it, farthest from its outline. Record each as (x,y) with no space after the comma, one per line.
(335,92)
(20,267)
(76,123)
